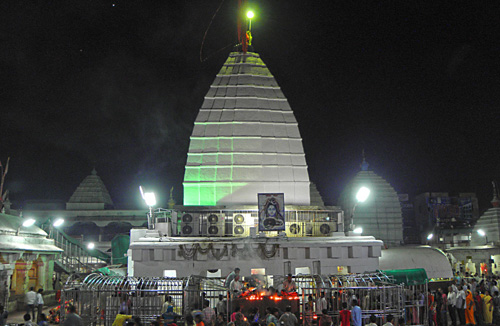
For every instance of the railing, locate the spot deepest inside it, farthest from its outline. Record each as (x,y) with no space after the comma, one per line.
(75,257)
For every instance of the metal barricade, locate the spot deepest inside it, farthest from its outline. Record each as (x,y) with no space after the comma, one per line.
(98,298)
(374,293)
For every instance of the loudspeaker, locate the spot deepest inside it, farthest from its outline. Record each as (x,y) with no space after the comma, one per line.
(241,224)
(323,229)
(213,225)
(295,229)
(190,225)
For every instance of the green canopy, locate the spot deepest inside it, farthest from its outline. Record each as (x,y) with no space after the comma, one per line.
(110,271)
(416,276)
(119,247)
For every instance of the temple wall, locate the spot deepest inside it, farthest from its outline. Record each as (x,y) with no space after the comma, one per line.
(277,256)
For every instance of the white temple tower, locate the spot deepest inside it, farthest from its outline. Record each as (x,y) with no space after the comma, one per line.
(245,140)
(488,223)
(380,216)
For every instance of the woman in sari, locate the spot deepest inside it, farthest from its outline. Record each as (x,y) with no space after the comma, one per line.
(487,308)
(469,310)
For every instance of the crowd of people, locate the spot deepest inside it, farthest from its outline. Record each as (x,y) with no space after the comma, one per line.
(468,301)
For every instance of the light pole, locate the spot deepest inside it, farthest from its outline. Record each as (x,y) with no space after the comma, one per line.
(483,234)
(150,199)
(361,196)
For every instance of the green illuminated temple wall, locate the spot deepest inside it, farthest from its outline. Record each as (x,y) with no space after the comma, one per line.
(245,140)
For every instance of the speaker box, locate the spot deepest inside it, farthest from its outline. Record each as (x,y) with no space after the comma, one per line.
(214,225)
(190,224)
(323,229)
(241,224)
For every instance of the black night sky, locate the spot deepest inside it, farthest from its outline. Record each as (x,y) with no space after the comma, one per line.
(117,85)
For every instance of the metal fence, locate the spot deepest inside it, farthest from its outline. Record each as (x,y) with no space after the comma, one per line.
(375,294)
(98,298)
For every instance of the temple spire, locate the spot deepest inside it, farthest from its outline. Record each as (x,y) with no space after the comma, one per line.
(244,29)
(364,165)
(495,201)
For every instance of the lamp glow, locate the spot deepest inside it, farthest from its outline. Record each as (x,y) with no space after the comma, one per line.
(362,194)
(58,222)
(29,222)
(91,245)
(149,197)
(481,232)
(430,236)
(358,230)
(250,14)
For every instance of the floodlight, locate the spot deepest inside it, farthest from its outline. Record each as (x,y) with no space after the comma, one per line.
(91,245)
(29,222)
(430,236)
(58,222)
(481,232)
(358,230)
(250,14)
(149,197)
(362,194)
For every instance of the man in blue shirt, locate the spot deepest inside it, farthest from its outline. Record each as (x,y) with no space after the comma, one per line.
(356,313)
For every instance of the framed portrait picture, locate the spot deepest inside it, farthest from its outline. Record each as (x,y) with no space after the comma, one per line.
(271,212)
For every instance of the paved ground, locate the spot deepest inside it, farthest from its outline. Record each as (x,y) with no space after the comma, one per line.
(17,317)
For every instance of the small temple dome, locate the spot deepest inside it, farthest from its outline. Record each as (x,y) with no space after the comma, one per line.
(380,215)
(91,194)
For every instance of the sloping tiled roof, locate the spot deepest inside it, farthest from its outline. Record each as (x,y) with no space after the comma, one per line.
(245,140)
(92,190)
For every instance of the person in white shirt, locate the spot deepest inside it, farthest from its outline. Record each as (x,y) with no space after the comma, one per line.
(236,286)
(460,304)
(39,303)
(494,287)
(231,277)
(452,302)
(30,300)
(289,284)
(321,304)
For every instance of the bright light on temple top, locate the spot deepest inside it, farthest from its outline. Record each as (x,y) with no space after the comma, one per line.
(363,194)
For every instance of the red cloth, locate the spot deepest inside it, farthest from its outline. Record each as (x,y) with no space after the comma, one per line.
(345,318)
